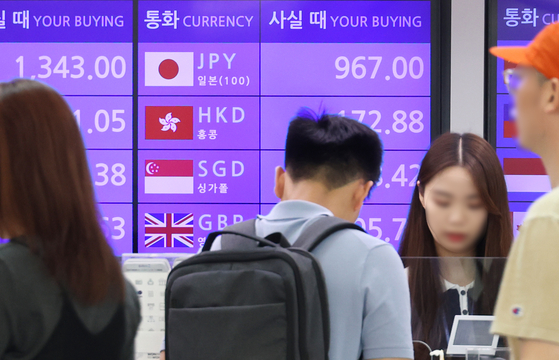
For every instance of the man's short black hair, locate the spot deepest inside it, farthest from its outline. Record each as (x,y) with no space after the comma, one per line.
(332,149)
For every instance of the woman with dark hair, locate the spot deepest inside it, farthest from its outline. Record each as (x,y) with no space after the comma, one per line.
(459,210)
(62,293)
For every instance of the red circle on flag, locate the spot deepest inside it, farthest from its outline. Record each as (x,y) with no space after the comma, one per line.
(168,69)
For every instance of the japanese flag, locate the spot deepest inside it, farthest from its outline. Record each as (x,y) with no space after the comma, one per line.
(169,69)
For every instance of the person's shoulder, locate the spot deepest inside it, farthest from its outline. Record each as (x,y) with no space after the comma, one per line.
(131,294)
(132,305)
(10,250)
(360,239)
(371,250)
(545,207)
(12,258)
(4,271)
(539,229)
(14,255)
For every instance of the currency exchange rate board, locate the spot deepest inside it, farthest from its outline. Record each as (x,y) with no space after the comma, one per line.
(184,105)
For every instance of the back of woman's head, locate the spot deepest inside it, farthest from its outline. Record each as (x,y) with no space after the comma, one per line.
(479,159)
(46,192)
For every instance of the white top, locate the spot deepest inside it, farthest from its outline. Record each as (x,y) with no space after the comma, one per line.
(462,294)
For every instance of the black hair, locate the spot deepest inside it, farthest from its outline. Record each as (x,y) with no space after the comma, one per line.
(332,149)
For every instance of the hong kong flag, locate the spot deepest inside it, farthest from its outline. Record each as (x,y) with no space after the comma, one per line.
(169,123)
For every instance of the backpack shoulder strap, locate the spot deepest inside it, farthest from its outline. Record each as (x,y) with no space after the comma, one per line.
(236,242)
(322,228)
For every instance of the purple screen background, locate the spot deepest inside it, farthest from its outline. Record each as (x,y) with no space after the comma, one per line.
(368,60)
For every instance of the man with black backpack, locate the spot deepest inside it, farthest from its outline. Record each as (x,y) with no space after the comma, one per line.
(302,282)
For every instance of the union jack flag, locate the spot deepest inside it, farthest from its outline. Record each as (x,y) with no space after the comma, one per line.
(169,230)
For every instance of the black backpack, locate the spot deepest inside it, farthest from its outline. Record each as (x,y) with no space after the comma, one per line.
(255,299)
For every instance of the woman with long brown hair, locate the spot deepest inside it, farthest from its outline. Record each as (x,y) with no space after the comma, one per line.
(62,293)
(459,210)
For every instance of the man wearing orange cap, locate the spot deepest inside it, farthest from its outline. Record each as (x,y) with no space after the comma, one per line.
(527,311)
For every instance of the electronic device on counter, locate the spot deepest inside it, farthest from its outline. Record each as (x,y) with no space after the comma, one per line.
(472,332)
(149,277)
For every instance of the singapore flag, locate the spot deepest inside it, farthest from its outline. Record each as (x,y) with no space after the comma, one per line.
(169,177)
(169,68)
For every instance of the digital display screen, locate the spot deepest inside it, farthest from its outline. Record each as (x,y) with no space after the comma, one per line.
(473,333)
(517,23)
(185,113)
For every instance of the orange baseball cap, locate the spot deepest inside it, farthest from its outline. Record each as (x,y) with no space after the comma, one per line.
(542,53)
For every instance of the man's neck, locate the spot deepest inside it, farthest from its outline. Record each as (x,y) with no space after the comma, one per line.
(311,192)
(550,159)
(549,153)
(315,192)
(552,169)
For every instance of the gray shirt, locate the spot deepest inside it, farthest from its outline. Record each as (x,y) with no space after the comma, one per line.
(367,287)
(31,304)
